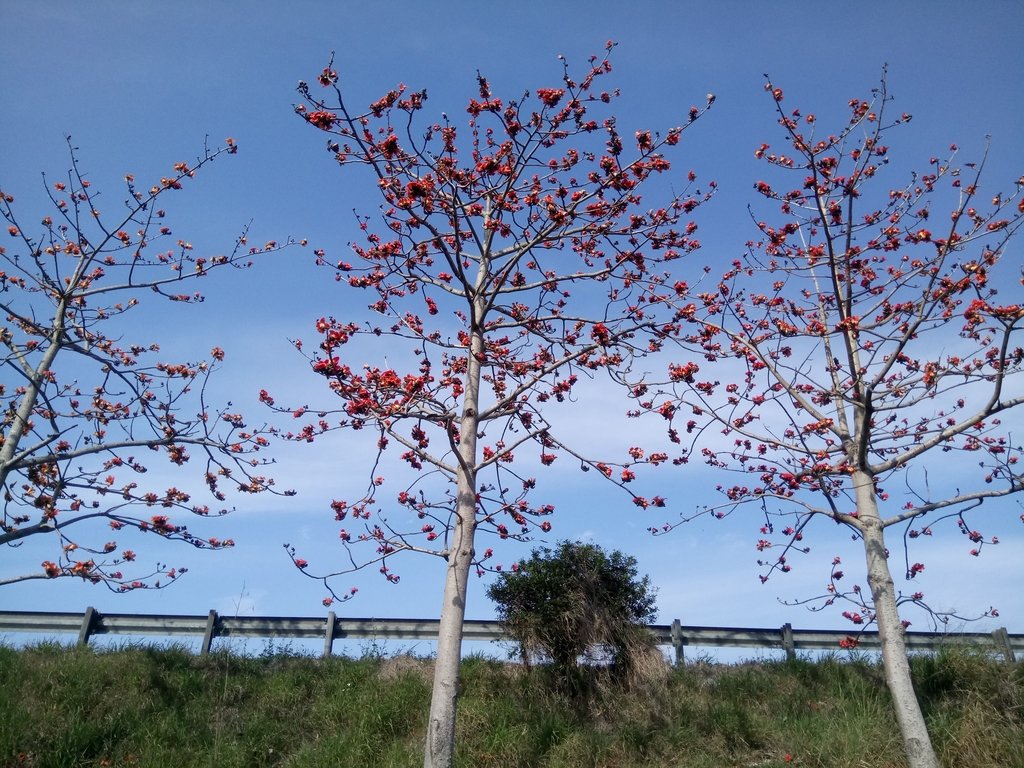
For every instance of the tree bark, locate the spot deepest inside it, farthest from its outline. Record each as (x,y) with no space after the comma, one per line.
(916,741)
(28,402)
(440,747)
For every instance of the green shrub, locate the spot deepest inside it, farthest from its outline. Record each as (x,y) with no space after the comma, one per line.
(577,603)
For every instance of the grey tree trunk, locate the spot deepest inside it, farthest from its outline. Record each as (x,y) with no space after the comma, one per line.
(916,741)
(440,746)
(23,415)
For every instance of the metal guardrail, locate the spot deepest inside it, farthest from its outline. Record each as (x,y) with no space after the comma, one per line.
(331,628)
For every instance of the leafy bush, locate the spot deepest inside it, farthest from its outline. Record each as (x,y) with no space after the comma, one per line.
(577,603)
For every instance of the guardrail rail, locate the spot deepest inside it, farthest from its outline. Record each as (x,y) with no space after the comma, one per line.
(331,628)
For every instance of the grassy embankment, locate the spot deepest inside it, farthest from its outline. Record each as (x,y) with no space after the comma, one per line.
(140,706)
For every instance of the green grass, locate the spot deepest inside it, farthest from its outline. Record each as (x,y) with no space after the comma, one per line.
(140,706)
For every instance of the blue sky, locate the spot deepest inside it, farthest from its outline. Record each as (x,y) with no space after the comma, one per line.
(139,85)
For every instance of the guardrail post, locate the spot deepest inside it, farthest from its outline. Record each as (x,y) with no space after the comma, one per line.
(211,630)
(87,621)
(787,641)
(1002,641)
(329,634)
(678,641)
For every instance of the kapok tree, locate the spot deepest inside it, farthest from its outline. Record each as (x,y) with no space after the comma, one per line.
(860,340)
(87,406)
(513,257)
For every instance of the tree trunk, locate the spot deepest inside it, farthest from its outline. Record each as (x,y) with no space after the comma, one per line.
(440,746)
(916,741)
(12,440)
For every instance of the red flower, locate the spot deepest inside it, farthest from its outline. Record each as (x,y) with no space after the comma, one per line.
(322,119)
(550,96)
(389,147)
